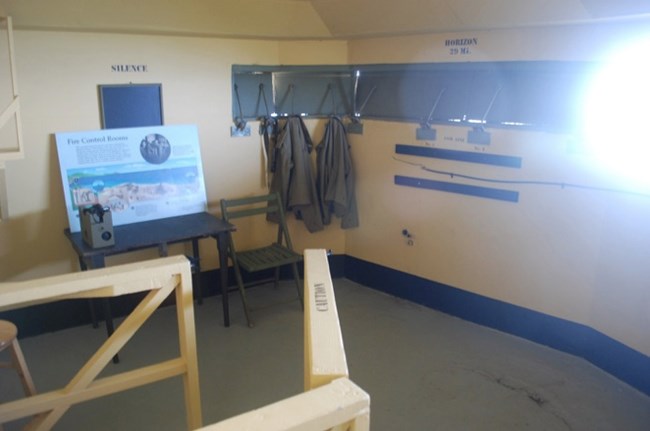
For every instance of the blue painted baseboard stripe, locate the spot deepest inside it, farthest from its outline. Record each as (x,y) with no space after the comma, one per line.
(617,359)
(464,189)
(461,156)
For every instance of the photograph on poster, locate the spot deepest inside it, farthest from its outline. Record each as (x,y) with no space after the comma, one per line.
(140,174)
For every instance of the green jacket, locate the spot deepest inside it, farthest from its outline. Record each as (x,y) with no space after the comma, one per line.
(335,181)
(292,177)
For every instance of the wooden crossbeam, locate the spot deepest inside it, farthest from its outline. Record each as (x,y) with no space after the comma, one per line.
(340,402)
(9,113)
(101,387)
(97,283)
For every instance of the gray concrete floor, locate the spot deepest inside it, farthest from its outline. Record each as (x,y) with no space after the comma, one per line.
(424,370)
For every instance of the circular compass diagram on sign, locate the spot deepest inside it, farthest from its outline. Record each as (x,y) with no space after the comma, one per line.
(155,148)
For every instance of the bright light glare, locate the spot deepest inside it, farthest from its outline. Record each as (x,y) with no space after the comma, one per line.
(618,114)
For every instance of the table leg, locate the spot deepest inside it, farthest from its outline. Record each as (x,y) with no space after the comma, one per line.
(223,273)
(98,261)
(91,303)
(108,316)
(163,250)
(196,254)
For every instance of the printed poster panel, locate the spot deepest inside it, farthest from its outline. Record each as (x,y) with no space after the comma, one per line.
(141,173)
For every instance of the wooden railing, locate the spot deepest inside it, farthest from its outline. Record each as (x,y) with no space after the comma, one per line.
(331,401)
(160,278)
(9,110)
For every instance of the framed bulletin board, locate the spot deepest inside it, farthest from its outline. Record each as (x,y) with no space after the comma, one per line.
(131,105)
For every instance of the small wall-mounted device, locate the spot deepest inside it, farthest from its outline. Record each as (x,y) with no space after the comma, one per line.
(409,237)
(97,226)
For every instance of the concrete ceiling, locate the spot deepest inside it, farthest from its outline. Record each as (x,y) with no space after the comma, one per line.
(320,19)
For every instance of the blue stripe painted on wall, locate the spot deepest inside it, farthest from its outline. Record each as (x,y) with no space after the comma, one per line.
(461,156)
(580,340)
(464,189)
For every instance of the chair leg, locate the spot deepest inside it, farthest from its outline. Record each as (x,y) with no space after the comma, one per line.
(294,267)
(93,314)
(276,278)
(242,293)
(199,292)
(21,367)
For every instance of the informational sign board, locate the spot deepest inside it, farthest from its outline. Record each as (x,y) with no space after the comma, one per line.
(140,174)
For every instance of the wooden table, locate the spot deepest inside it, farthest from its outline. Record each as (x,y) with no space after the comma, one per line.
(160,233)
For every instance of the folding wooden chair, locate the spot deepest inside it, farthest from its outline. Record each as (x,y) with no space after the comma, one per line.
(275,255)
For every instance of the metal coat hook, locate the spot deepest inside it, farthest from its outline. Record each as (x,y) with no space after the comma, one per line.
(240,128)
(358,110)
(331,92)
(489,108)
(267,123)
(240,123)
(478,135)
(290,92)
(355,126)
(262,95)
(427,122)
(425,132)
(355,92)
(365,102)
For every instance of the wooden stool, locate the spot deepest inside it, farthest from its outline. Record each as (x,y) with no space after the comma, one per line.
(8,338)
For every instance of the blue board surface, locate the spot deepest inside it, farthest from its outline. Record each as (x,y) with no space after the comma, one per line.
(465,189)
(461,156)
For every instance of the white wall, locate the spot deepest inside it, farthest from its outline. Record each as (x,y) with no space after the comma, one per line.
(576,254)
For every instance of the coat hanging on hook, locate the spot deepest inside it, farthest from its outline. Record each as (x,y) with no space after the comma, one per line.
(269,131)
(293,178)
(335,181)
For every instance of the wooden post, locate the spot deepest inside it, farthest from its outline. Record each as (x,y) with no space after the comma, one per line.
(187,340)
(324,351)
(330,401)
